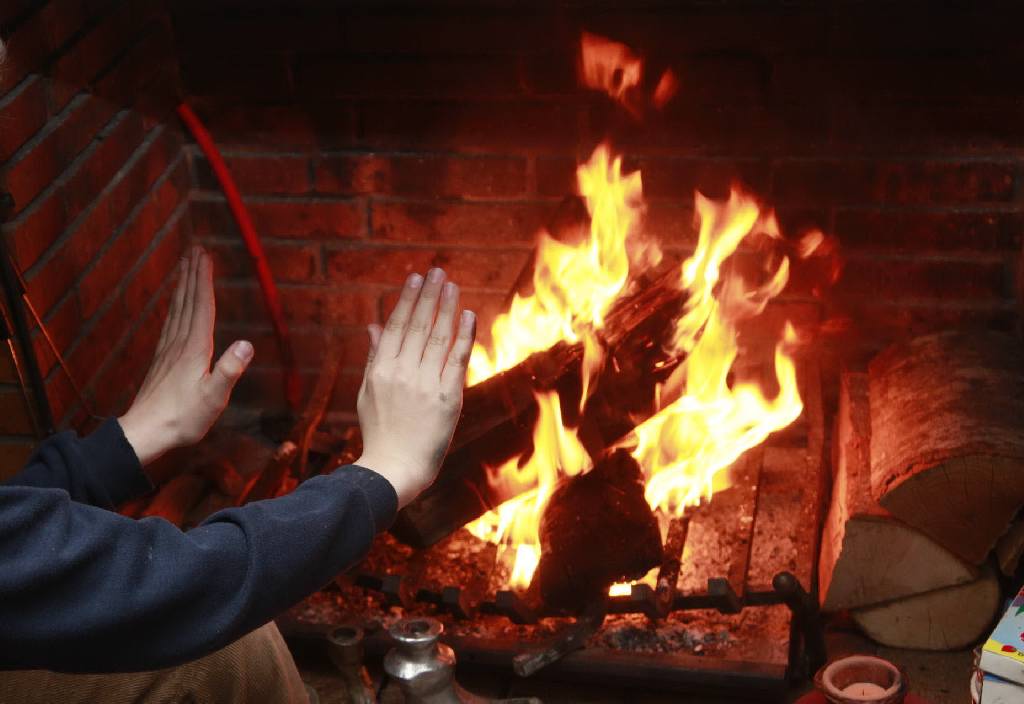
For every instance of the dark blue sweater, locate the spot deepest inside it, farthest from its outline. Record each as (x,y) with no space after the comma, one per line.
(83,589)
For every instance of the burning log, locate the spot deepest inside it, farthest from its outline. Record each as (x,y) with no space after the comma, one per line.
(499,413)
(597,529)
(947,437)
(860,535)
(177,497)
(944,619)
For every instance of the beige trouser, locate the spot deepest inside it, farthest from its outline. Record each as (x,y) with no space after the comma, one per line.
(255,668)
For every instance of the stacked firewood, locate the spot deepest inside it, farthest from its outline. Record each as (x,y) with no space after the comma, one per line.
(928,463)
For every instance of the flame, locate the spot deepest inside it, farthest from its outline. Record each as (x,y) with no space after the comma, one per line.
(573,284)
(514,525)
(704,419)
(710,424)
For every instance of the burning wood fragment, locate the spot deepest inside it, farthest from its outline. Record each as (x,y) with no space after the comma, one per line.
(597,529)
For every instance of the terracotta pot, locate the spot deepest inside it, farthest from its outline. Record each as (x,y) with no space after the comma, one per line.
(861,679)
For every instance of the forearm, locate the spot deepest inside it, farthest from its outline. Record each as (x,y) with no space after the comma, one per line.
(83,589)
(100,469)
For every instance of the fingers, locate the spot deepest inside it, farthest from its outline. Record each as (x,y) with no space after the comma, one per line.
(200,335)
(422,320)
(453,378)
(173,319)
(227,371)
(394,331)
(439,343)
(188,301)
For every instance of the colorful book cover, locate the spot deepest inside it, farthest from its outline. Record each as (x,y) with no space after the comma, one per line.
(995,690)
(1003,654)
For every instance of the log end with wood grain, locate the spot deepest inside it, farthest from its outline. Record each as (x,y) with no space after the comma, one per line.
(597,529)
(951,618)
(867,555)
(947,443)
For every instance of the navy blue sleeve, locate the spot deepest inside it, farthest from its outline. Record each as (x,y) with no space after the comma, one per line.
(83,589)
(99,470)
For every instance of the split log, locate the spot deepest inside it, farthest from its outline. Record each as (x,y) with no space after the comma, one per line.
(947,428)
(1010,548)
(597,529)
(867,555)
(499,414)
(945,619)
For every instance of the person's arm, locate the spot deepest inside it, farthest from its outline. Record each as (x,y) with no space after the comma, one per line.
(87,590)
(84,589)
(100,469)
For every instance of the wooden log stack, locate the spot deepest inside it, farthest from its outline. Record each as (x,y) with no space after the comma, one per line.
(928,463)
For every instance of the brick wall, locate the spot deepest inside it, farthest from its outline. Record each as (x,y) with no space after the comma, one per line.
(100,184)
(376,138)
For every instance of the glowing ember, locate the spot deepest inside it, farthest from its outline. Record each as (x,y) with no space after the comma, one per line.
(704,419)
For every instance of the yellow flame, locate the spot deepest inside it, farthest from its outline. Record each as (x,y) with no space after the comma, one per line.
(573,284)
(514,525)
(710,423)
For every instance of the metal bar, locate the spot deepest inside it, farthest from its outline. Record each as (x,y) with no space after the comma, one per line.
(806,619)
(571,638)
(21,332)
(26,392)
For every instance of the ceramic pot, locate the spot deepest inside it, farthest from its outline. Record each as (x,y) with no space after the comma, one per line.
(861,679)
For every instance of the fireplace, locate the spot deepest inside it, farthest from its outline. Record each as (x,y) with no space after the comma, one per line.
(373,139)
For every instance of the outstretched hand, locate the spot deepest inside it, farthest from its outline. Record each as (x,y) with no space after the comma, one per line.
(181,397)
(411,394)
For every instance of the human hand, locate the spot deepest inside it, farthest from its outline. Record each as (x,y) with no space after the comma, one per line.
(412,388)
(181,397)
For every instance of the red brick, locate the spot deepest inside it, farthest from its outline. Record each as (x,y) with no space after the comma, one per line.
(479,126)
(59,393)
(258,174)
(134,71)
(922,230)
(102,163)
(491,268)
(37,227)
(462,177)
(863,181)
(154,271)
(110,267)
(63,325)
(680,178)
(556,176)
(306,218)
(296,263)
(92,348)
(314,29)
(918,278)
(459,223)
(235,124)
(85,60)
(306,305)
(456,32)
(51,280)
(23,113)
(310,351)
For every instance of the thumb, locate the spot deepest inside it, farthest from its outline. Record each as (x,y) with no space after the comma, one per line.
(229,368)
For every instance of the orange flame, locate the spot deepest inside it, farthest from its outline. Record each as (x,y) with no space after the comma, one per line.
(573,284)
(514,525)
(703,422)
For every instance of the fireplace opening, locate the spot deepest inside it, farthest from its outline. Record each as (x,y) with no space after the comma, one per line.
(722,256)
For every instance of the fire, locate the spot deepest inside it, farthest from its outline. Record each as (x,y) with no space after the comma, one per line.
(704,419)
(573,284)
(513,526)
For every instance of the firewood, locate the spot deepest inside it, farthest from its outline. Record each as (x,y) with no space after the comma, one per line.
(1010,548)
(945,619)
(499,414)
(597,529)
(947,428)
(867,555)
